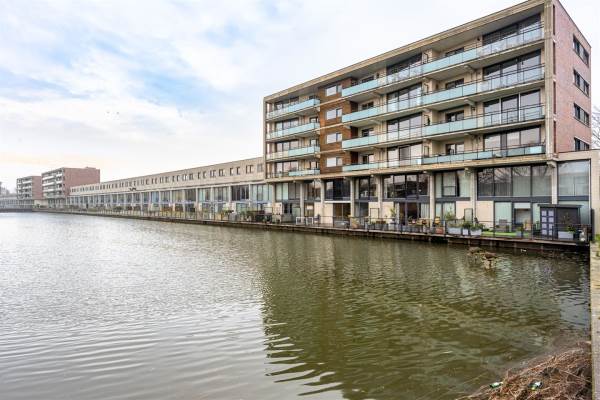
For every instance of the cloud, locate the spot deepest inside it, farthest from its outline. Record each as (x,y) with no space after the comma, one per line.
(142,87)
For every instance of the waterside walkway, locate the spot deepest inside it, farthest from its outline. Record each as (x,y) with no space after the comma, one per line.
(522,244)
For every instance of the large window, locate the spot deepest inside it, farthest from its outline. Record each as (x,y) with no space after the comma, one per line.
(333,162)
(240,193)
(574,178)
(404,94)
(518,181)
(452,184)
(286,166)
(406,186)
(331,90)
(508,68)
(525,137)
(400,124)
(337,189)
(290,123)
(287,191)
(313,190)
(412,61)
(367,188)
(521,27)
(283,146)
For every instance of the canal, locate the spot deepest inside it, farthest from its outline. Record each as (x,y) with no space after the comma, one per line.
(103,308)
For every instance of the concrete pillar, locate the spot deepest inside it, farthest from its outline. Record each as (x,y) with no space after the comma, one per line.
(554,181)
(352,197)
(380,194)
(322,195)
(431,191)
(473,189)
(302,196)
(172,203)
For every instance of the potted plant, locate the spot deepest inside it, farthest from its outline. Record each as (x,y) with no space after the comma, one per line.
(566,230)
(476,229)
(466,226)
(452,226)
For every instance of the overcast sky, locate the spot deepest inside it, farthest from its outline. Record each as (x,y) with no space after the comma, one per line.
(136,87)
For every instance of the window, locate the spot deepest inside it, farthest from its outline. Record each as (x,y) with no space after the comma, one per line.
(485,182)
(455,51)
(400,124)
(521,181)
(331,90)
(249,169)
(333,162)
(404,94)
(525,137)
(573,178)
(580,51)
(367,158)
(221,172)
(337,189)
(522,27)
(333,137)
(502,181)
(455,116)
(580,145)
(367,188)
(581,83)
(366,106)
(581,115)
(525,63)
(333,113)
(259,168)
(455,148)
(541,176)
(456,83)
(290,123)
(449,184)
(230,171)
(238,170)
(240,193)
(366,132)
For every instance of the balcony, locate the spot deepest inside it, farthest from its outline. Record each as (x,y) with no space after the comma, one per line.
(297,173)
(470,54)
(293,131)
(478,122)
(516,151)
(527,150)
(446,98)
(293,153)
(294,108)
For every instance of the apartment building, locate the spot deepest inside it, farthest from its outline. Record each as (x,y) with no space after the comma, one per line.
(56,184)
(484,121)
(237,186)
(29,190)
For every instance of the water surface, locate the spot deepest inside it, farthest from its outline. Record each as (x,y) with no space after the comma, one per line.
(102,308)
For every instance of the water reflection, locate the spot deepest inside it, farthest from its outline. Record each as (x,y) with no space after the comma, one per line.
(98,308)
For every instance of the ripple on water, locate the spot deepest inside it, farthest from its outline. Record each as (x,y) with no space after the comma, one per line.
(98,308)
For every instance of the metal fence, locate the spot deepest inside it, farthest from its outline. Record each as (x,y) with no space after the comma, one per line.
(578,233)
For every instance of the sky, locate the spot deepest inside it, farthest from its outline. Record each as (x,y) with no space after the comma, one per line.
(139,87)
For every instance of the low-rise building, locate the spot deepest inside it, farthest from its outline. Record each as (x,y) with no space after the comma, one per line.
(237,186)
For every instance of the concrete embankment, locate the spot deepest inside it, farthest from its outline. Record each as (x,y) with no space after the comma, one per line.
(522,245)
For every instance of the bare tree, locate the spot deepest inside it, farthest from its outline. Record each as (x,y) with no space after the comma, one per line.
(596,128)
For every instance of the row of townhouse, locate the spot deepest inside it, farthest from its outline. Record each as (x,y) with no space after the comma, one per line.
(487,120)
(237,186)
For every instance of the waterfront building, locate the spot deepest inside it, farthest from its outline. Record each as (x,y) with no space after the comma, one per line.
(484,121)
(29,191)
(236,186)
(9,201)
(56,184)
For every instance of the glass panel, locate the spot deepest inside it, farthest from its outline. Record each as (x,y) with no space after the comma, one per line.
(464,188)
(485,182)
(521,181)
(502,215)
(530,136)
(573,178)
(541,178)
(502,180)
(492,142)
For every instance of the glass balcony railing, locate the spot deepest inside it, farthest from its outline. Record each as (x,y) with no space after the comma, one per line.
(301,172)
(293,108)
(445,62)
(293,130)
(486,85)
(301,151)
(524,114)
(522,150)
